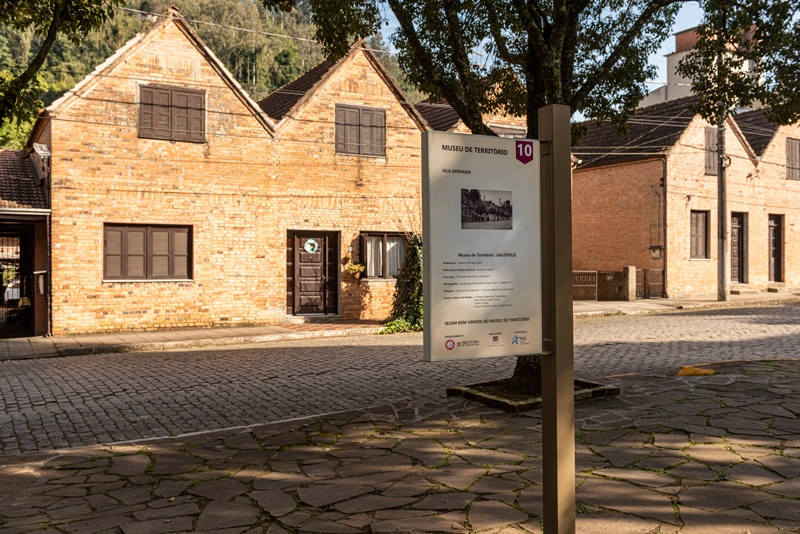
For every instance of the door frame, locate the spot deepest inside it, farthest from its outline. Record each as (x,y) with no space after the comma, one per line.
(744,247)
(781,228)
(331,274)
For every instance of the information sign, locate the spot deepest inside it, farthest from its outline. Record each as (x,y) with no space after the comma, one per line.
(481,246)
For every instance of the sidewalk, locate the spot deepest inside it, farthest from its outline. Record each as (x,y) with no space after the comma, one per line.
(41,347)
(693,455)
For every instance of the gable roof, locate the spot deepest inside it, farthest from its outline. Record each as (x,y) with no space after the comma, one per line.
(280,101)
(288,101)
(18,189)
(757,129)
(172,16)
(653,130)
(441,117)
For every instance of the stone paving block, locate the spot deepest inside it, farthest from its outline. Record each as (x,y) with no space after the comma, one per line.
(408,487)
(132,495)
(416,524)
(167,512)
(371,503)
(446,501)
(783,465)
(177,524)
(751,474)
(326,527)
(96,525)
(129,466)
(457,476)
(721,496)
(171,488)
(275,502)
(789,488)
(321,496)
(626,498)
(703,522)
(637,476)
(219,514)
(490,514)
(222,490)
(612,523)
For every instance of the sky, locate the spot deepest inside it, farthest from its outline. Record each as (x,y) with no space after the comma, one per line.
(688,17)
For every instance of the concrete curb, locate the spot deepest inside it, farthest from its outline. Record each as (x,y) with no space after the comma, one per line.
(691,307)
(212,342)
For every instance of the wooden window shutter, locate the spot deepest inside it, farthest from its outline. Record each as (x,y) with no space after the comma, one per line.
(159,253)
(366,132)
(341,144)
(351,131)
(162,104)
(693,251)
(793,159)
(379,133)
(135,253)
(180,253)
(711,150)
(197,116)
(180,114)
(113,253)
(146,111)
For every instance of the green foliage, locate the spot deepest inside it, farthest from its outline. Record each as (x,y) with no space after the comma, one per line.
(590,55)
(406,313)
(748,54)
(260,63)
(20,82)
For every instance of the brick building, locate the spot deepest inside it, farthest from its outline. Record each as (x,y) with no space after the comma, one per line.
(174,200)
(649,199)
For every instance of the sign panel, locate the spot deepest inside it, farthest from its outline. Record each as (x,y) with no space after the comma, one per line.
(481,245)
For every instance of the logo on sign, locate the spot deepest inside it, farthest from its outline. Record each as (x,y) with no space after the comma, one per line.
(525,151)
(449,344)
(495,339)
(516,340)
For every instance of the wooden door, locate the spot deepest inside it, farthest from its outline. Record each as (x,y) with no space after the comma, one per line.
(737,248)
(315,280)
(776,248)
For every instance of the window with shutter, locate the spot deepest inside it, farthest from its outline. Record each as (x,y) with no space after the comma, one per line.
(712,159)
(173,114)
(699,235)
(360,131)
(147,252)
(793,159)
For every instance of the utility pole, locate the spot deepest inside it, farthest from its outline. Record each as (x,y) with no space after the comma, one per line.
(723,281)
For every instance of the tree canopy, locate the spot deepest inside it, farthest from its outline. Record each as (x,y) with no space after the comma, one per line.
(591,55)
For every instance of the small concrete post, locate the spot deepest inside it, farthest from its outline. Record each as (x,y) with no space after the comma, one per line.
(629,273)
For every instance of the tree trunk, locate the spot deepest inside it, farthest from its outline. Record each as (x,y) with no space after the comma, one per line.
(527,378)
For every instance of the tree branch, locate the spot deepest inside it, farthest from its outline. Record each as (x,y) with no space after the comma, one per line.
(500,41)
(9,99)
(601,72)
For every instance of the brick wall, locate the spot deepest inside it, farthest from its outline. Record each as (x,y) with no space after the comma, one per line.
(757,191)
(617,214)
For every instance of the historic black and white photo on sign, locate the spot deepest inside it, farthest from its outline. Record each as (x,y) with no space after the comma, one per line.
(484,209)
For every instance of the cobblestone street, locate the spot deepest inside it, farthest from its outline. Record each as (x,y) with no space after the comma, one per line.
(84,400)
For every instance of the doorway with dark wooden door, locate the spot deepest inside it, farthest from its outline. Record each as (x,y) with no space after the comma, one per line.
(313,288)
(739,248)
(776,248)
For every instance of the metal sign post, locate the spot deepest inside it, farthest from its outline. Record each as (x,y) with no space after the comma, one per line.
(558,397)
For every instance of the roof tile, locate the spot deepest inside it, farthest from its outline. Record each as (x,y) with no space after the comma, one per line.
(18,188)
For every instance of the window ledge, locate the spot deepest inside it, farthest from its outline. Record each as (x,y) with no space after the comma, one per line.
(359,155)
(377,280)
(173,280)
(699,259)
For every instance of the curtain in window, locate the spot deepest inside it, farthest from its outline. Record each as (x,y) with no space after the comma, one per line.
(375,255)
(395,252)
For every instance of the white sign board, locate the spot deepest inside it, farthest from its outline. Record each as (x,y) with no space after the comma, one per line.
(481,246)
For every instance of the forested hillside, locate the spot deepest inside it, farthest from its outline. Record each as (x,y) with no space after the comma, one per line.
(258,62)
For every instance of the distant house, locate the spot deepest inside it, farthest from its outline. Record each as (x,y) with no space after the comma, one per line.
(649,199)
(163,196)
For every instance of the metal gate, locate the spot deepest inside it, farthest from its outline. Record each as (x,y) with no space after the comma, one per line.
(649,283)
(610,285)
(584,285)
(16,291)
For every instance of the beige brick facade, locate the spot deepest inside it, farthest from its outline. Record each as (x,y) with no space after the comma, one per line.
(242,191)
(614,211)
